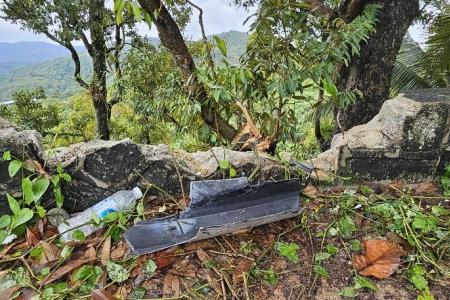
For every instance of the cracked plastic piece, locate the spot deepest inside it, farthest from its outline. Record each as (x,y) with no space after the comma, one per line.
(218,207)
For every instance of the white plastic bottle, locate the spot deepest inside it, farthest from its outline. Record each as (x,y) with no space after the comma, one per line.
(120,201)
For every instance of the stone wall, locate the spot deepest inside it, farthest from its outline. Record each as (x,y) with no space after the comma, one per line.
(23,145)
(409,138)
(100,168)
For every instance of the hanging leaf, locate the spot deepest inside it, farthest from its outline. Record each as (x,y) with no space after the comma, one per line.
(136,12)
(330,88)
(119,5)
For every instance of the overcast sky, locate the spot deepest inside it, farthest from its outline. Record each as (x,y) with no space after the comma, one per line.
(219,16)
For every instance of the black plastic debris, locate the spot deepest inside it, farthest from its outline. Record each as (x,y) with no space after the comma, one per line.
(218,207)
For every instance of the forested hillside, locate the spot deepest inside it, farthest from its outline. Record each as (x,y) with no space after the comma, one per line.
(28,65)
(14,55)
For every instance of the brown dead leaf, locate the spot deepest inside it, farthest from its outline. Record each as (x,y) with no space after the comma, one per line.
(171,285)
(27,294)
(50,253)
(89,256)
(105,254)
(205,244)
(35,166)
(122,292)
(101,295)
(379,258)
(32,238)
(202,255)
(165,257)
(310,191)
(119,250)
(243,266)
(427,189)
(88,242)
(184,268)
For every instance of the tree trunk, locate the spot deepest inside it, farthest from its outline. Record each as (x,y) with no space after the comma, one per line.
(98,85)
(171,38)
(371,71)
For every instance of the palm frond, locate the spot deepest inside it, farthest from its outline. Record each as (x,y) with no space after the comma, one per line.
(437,54)
(409,69)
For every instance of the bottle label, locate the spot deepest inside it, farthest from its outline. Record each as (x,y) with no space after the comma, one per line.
(103,213)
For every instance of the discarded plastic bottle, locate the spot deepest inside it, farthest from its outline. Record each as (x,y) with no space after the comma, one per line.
(120,201)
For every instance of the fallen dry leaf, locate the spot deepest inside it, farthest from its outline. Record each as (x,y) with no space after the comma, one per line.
(379,258)
(243,266)
(35,166)
(89,256)
(101,295)
(166,257)
(202,255)
(27,294)
(427,189)
(50,253)
(106,251)
(310,191)
(184,268)
(122,292)
(119,251)
(171,285)
(32,238)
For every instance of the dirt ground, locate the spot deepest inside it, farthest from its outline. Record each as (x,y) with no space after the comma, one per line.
(227,267)
(247,264)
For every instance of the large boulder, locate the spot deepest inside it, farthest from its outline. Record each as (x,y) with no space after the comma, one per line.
(100,168)
(24,145)
(409,138)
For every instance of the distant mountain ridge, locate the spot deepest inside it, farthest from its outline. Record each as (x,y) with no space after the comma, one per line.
(14,55)
(27,65)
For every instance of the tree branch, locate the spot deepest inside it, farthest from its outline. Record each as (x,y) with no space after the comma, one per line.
(202,27)
(350,9)
(319,7)
(171,38)
(86,43)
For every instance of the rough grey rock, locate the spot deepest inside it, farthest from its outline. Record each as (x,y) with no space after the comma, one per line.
(22,144)
(100,168)
(409,138)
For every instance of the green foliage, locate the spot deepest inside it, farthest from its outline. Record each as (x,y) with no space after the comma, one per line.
(86,277)
(30,110)
(269,275)
(34,186)
(150,267)
(288,250)
(54,76)
(445,181)
(116,272)
(360,283)
(437,56)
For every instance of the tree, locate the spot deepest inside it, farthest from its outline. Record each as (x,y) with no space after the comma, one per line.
(65,22)
(171,38)
(30,111)
(371,71)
